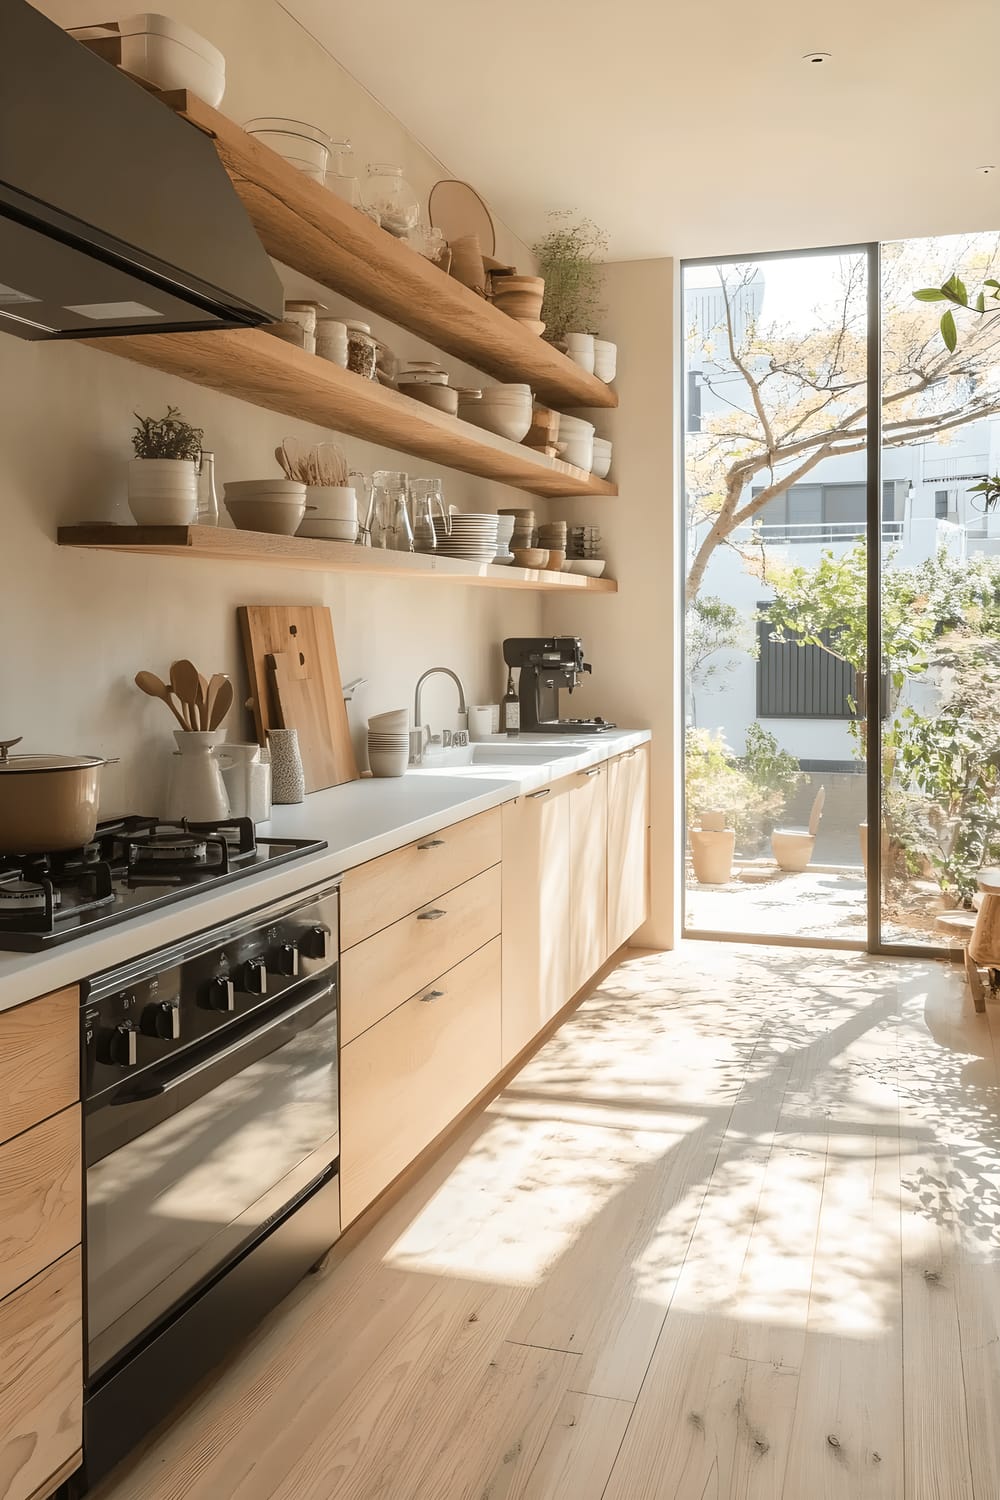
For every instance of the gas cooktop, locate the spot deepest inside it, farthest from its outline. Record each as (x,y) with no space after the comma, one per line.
(132,866)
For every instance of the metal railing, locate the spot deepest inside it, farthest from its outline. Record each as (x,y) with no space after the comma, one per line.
(821,531)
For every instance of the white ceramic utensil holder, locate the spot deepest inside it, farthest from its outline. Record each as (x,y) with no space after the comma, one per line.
(197,790)
(288,782)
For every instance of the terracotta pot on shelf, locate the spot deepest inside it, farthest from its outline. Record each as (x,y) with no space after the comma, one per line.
(467,262)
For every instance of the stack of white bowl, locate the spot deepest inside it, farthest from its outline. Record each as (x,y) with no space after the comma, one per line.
(505,530)
(580,348)
(274,505)
(331,513)
(473,536)
(389,742)
(605,360)
(577,438)
(503,409)
(331,341)
(602,457)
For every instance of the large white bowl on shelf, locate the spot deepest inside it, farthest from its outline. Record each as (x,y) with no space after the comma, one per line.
(589,567)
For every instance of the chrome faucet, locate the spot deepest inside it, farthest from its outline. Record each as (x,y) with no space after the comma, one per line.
(418,738)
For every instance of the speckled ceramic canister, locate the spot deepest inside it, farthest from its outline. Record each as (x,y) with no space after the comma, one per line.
(288,782)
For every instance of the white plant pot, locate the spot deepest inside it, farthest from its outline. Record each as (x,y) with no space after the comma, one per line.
(163,491)
(712,853)
(580,349)
(605,360)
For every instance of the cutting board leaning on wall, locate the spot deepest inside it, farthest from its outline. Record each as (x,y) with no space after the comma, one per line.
(295,684)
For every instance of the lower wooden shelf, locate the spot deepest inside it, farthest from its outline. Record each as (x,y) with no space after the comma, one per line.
(224,543)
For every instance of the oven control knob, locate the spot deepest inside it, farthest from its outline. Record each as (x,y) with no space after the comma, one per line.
(314,942)
(285,960)
(120,1046)
(254,977)
(163,1020)
(221,993)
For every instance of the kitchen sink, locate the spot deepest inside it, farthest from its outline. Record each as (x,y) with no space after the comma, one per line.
(513,754)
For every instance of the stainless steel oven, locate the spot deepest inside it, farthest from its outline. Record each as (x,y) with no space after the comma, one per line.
(211,1136)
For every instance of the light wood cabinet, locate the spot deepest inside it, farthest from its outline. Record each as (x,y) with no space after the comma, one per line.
(536,913)
(384,970)
(628,844)
(378,893)
(409,1076)
(41,1360)
(39,1060)
(588,875)
(40,1197)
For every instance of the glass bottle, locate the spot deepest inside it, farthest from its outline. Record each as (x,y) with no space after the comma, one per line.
(510,709)
(208,501)
(390,195)
(342,178)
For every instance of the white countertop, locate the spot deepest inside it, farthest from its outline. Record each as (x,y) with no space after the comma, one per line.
(359,821)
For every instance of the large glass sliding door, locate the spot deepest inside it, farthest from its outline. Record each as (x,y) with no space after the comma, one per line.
(825,802)
(777,367)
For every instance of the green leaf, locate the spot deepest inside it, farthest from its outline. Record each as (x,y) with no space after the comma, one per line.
(954,290)
(990,281)
(929,294)
(948,331)
(981,302)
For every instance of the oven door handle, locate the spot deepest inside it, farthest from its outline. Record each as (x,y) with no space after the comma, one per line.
(182,1074)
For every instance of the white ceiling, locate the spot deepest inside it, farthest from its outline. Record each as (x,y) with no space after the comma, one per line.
(695,128)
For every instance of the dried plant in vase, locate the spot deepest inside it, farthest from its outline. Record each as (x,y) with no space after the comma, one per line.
(163,475)
(570,259)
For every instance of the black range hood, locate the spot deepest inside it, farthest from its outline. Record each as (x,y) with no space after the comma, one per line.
(116,215)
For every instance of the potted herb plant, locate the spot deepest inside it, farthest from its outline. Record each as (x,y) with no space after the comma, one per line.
(569,258)
(163,476)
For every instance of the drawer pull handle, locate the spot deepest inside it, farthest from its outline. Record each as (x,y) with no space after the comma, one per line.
(431,995)
(594,771)
(432,844)
(432,915)
(630,754)
(543,793)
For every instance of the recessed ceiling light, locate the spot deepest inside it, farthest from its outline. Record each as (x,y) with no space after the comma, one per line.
(986,170)
(817,57)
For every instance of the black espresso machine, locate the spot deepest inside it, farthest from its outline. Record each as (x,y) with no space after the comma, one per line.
(548,664)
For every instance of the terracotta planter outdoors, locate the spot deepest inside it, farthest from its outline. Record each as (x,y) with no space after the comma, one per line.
(712,851)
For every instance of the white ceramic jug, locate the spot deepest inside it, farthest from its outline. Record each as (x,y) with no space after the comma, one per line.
(248,781)
(197,791)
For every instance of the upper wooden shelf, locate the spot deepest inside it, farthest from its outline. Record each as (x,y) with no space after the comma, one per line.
(303,224)
(225,543)
(257,367)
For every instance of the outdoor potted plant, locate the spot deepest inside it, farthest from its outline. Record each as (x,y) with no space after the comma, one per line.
(568,259)
(163,475)
(712,848)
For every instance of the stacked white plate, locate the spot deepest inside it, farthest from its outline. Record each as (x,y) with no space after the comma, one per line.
(473,537)
(389,742)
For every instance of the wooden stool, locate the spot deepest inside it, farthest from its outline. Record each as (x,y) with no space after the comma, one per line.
(979,931)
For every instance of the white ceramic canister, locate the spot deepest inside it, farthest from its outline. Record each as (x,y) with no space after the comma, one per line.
(481,720)
(288,782)
(331,341)
(197,790)
(248,781)
(163,491)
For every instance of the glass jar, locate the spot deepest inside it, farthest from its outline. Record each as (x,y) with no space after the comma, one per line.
(304,146)
(342,178)
(362,350)
(389,194)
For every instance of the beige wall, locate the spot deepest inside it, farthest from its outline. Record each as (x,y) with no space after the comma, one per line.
(631,638)
(76,625)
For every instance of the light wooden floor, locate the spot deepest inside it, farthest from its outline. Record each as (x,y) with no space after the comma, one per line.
(734,1232)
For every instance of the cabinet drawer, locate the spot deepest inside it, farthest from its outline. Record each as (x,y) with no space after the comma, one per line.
(41,1357)
(380,973)
(40,1198)
(407,1078)
(39,1060)
(385,889)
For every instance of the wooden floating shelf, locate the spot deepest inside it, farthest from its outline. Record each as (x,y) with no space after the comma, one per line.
(257,367)
(223,543)
(303,224)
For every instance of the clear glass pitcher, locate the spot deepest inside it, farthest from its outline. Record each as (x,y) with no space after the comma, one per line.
(430,518)
(389,513)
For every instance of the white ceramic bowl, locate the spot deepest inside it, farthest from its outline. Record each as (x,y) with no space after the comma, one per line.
(573,426)
(245,489)
(579,452)
(590,567)
(280,515)
(328,531)
(578,340)
(169,64)
(512,424)
(332,502)
(602,458)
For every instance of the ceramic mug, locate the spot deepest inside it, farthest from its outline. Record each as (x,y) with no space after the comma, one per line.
(481,721)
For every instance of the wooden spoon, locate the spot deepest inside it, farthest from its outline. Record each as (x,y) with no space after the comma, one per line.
(211,692)
(202,701)
(221,703)
(184,681)
(149,683)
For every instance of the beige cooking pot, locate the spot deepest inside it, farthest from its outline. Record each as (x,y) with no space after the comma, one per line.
(47,801)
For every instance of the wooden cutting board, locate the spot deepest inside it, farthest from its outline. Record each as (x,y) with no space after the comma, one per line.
(295,684)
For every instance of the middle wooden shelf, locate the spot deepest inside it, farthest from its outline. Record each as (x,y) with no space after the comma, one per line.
(257,367)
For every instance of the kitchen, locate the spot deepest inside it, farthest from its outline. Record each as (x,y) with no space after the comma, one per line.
(216,977)
(372,1125)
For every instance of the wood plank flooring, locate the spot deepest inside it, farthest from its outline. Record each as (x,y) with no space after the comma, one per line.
(732,1234)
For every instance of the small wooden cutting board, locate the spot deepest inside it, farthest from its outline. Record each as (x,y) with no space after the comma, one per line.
(295,684)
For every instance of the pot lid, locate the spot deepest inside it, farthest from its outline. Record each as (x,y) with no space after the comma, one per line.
(43,762)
